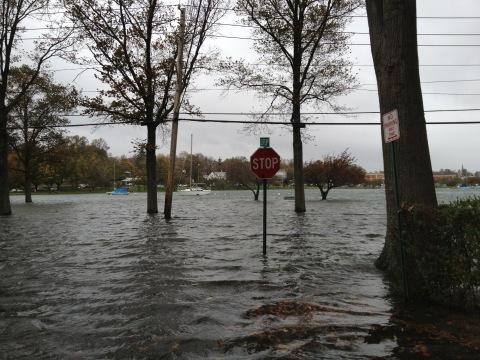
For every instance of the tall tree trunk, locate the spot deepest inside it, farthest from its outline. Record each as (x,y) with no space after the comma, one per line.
(393,41)
(28,175)
(297,140)
(5,208)
(296,115)
(151,159)
(298,170)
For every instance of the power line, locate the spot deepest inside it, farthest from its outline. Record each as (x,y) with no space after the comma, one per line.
(246,122)
(367,84)
(337,113)
(350,89)
(255,27)
(448,81)
(221,36)
(435,81)
(249,89)
(234,10)
(365,16)
(354,32)
(429,93)
(74,125)
(348,44)
(318,123)
(330,113)
(73,69)
(94,67)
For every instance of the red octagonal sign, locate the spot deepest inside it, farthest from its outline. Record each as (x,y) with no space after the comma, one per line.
(265,163)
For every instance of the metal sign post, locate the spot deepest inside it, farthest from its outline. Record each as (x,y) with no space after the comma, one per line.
(264,217)
(265,163)
(391,133)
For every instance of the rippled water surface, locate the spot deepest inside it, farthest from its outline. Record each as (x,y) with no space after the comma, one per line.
(93,276)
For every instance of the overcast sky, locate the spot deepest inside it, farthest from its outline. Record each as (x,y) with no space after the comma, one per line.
(450,145)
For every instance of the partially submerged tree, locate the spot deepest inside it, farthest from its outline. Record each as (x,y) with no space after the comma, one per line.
(334,171)
(393,38)
(302,43)
(239,173)
(36,118)
(132,43)
(13,14)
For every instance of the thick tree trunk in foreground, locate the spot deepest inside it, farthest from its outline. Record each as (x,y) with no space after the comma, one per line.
(152,206)
(5,208)
(393,41)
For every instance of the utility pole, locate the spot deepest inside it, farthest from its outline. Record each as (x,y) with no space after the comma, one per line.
(176,112)
(191,159)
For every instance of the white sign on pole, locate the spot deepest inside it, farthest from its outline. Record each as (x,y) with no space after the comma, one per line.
(391,126)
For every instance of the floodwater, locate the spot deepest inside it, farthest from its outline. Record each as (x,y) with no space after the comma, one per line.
(93,276)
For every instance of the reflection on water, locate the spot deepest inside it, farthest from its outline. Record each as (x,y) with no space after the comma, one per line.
(92,276)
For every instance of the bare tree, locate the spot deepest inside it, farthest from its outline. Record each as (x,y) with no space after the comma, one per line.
(393,37)
(13,14)
(132,44)
(302,44)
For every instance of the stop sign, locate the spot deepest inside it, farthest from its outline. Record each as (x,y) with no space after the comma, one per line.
(265,163)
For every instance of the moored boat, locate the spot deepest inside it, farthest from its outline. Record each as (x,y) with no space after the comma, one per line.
(119,191)
(194,191)
(197,189)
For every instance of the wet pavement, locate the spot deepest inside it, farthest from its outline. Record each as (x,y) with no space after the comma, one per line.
(93,276)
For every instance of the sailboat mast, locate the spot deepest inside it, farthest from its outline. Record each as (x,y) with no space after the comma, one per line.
(114,174)
(191,158)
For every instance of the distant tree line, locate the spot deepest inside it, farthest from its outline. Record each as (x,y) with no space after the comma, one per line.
(63,163)
(59,162)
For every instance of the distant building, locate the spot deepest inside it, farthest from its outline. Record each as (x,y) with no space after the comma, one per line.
(216,175)
(444,177)
(281,174)
(130,181)
(375,176)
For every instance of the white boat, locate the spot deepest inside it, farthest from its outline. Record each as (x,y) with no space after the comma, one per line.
(117,190)
(193,190)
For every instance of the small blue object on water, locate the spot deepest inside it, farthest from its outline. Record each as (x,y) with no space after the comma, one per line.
(119,191)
